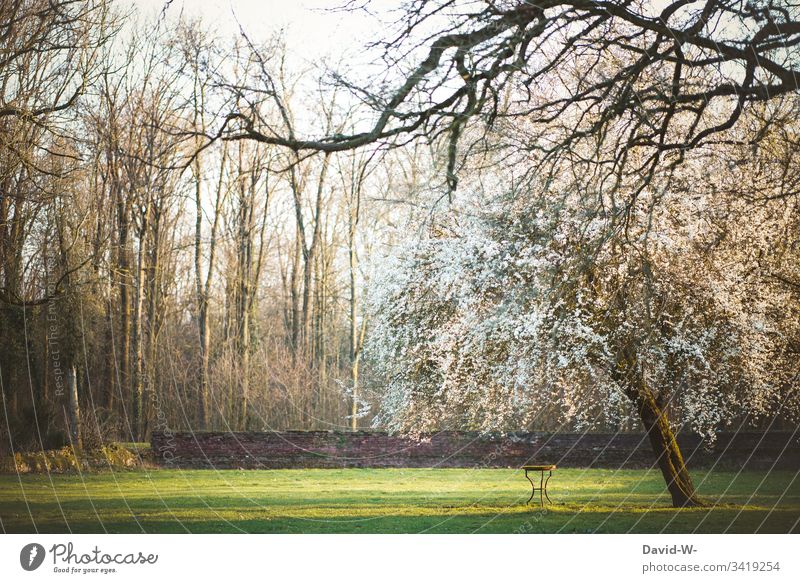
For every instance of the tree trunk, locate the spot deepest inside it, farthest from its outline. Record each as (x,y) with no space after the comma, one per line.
(203,288)
(137,388)
(356,339)
(74,409)
(200,295)
(354,403)
(205,345)
(123,262)
(295,293)
(108,376)
(354,347)
(244,289)
(310,254)
(154,316)
(668,454)
(245,373)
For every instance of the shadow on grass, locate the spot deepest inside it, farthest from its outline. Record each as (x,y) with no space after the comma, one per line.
(387,519)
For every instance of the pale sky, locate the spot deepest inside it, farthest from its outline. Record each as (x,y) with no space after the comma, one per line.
(312,30)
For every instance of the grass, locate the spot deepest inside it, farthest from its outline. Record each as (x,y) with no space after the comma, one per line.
(389,500)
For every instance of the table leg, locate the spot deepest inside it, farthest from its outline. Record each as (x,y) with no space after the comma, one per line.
(545,486)
(541,489)
(533,487)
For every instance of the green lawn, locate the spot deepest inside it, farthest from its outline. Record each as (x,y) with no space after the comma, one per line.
(389,500)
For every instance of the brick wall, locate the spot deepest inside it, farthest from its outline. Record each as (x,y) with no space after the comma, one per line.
(333,449)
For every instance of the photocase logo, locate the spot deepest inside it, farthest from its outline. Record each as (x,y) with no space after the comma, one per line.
(31,556)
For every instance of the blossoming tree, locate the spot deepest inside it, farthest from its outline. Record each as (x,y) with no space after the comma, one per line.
(551,302)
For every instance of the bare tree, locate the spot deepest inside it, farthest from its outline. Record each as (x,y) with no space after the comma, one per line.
(52,44)
(611,77)
(49,53)
(197,49)
(353,177)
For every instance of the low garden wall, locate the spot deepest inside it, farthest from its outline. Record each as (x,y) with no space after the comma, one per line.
(459,449)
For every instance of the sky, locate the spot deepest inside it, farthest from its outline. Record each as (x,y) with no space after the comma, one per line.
(313,28)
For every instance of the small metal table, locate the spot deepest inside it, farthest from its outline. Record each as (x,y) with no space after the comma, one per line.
(542,481)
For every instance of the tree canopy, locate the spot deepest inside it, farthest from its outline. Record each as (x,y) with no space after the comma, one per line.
(631,85)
